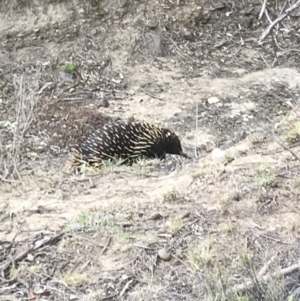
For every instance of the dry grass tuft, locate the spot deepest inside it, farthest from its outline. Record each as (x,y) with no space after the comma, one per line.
(73,279)
(26,87)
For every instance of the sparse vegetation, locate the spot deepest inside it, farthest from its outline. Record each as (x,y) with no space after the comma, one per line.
(204,170)
(73,279)
(200,255)
(228,158)
(295,184)
(94,295)
(265,175)
(91,220)
(293,134)
(176,224)
(256,139)
(172,196)
(17,271)
(69,67)
(187,65)
(4,211)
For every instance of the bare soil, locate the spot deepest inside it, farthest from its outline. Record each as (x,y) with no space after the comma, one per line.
(193,66)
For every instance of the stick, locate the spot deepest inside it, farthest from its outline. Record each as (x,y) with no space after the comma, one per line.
(265,267)
(262,9)
(196,140)
(106,245)
(125,288)
(24,254)
(286,148)
(279,19)
(248,284)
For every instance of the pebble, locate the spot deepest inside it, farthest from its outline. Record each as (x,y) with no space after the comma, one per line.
(213,100)
(186,214)
(164,255)
(30,257)
(152,24)
(188,35)
(217,153)
(156,216)
(66,76)
(236,196)
(103,103)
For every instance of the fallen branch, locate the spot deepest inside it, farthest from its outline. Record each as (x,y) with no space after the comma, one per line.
(286,148)
(242,287)
(39,244)
(279,19)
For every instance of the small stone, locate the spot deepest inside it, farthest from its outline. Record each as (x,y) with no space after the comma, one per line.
(218,5)
(30,257)
(116,80)
(213,100)
(156,216)
(66,76)
(188,35)
(164,255)
(186,215)
(217,153)
(103,103)
(94,31)
(152,24)
(236,196)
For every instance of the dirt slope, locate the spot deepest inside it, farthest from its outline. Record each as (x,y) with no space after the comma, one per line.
(184,229)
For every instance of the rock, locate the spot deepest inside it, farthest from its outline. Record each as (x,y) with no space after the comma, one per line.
(66,76)
(116,80)
(236,196)
(217,153)
(188,35)
(218,5)
(103,103)
(152,24)
(213,100)
(155,44)
(186,215)
(156,216)
(94,31)
(30,257)
(164,255)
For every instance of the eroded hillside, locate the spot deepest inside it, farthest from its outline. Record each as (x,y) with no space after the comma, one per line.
(184,229)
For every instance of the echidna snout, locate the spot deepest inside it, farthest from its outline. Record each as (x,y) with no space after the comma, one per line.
(174,146)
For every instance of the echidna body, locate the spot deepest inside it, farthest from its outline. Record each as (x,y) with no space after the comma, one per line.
(127,141)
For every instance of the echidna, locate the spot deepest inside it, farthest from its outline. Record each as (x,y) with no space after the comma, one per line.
(126,140)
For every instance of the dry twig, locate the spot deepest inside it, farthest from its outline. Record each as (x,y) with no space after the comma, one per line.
(250,283)
(278,20)
(22,255)
(262,9)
